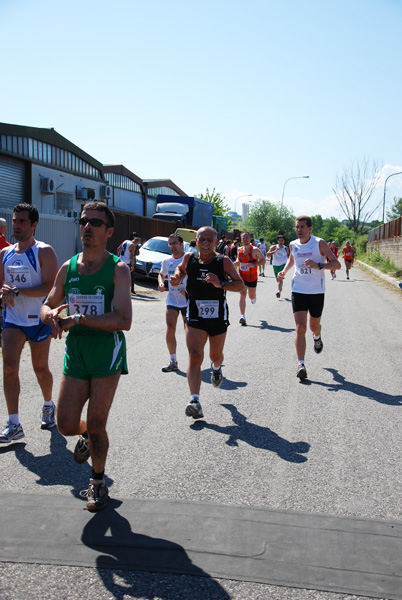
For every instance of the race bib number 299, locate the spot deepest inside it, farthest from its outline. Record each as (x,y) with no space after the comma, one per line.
(93,304)
(208,309)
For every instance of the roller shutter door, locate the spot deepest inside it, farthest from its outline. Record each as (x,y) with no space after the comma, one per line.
(12,175)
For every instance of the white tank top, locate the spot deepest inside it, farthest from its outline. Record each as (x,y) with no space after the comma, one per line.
(23,270)
(125,254)
(280,257)
(174,296)
(306,280)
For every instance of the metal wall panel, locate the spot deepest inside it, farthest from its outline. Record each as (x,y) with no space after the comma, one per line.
(61,233)
(12,181)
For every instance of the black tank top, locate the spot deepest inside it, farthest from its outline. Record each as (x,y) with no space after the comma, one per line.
(214,305)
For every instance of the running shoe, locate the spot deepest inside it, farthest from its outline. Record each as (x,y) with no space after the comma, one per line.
(253,301)
(48,417)
(97,495)
(301,372)
(81,450)
(11,432)
(172,366)
(242,321)
(216,377)
(278,294)
(193,409)
(400,284)
(318,345)
(347,277)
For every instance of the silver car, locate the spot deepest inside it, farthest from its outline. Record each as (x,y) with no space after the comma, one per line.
(152,253)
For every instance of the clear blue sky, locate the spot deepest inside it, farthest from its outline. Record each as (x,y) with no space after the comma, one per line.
(236,95)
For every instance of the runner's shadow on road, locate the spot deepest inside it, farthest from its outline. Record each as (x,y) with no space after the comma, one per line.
(256,436)
(121,552)
(56,468)
(227,384)
(142,297)
(275,328)
(340,383)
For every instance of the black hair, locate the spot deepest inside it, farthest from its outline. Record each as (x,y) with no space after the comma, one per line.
(101,207)
(30,209)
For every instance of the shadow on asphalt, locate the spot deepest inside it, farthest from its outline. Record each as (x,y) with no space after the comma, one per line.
(227,384)
(56,468)
(147,297)
(340,383)
(256,436)
(122,551)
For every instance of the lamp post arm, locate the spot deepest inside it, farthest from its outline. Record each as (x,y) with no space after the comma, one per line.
(385,187)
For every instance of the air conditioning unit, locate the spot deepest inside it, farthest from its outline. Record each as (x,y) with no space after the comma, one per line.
(82,193)
(47,185)
(105,191)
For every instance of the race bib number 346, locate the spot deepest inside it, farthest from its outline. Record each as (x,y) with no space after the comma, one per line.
(93,304)
(19,275)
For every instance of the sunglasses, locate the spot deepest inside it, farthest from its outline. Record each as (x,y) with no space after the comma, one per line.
(93,222)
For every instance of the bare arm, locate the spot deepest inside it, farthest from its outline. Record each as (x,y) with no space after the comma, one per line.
(180,271)
(236,285)
(333,263)
(53,306)
(161,279)
(257,255)
(289,264)
(132,257)
(118,319)
(48,263)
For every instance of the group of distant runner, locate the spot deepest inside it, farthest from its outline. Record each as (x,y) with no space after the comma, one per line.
(89,298)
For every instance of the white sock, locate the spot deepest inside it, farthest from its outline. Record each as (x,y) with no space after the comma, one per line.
(14,419)
(173,357)
(316,337)
(254,300)
(301,363)
(195,397)
(50,403)
(214,367)
(243,317)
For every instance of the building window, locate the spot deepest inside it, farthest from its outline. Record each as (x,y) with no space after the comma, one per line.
(64,202)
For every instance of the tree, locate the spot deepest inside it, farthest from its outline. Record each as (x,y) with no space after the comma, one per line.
(267,220)
(353,190)
(220,209)
(395,210)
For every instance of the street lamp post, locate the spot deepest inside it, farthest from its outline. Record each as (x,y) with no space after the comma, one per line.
(385,186)
(241,196)
(283,191)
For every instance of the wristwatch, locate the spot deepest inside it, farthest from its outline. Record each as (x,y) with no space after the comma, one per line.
(320,265)
(15,290)
(77,318)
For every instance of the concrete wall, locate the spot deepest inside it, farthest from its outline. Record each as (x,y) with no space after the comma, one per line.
(391,248)
(64,182)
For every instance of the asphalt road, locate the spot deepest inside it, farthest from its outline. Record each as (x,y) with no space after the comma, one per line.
(330,445)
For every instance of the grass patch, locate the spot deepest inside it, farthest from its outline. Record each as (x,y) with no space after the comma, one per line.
(382,263)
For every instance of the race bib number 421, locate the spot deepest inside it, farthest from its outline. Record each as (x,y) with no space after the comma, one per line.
(91,304)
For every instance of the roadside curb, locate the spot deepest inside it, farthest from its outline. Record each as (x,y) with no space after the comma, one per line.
(379,273)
